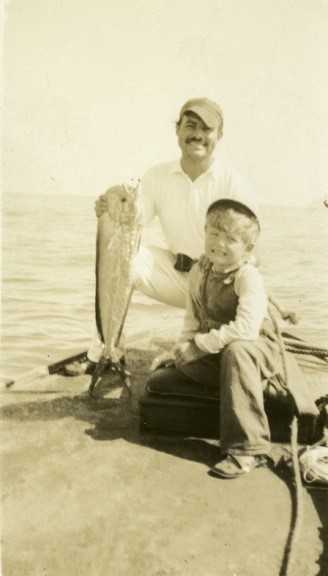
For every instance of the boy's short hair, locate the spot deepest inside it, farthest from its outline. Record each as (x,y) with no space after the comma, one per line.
(248,223)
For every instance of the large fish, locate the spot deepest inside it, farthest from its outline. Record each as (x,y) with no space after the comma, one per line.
(118,238)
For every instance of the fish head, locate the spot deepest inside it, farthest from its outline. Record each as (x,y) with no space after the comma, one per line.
(122,202)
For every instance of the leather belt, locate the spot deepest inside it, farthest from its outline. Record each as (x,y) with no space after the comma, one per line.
(183,263)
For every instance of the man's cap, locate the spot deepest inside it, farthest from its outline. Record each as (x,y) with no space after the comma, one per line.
(208,110)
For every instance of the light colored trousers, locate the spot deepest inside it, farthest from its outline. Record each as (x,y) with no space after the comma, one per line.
(156,277)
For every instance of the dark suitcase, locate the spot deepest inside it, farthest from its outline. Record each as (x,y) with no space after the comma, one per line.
(179,415)
(199,417)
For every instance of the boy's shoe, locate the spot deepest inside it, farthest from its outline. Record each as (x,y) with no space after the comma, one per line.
(234,466)
(80,368)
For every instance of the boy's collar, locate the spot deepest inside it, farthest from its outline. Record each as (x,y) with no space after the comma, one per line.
(230,269)
(228,274)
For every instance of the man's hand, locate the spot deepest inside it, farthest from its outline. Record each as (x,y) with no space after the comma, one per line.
(101,205)
(289,316)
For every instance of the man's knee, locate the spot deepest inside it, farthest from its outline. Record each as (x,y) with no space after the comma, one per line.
(141,265)
(154,276)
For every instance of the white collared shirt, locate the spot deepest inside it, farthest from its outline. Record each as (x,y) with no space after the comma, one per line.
(181,204)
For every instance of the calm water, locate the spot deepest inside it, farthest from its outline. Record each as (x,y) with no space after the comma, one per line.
(48,274)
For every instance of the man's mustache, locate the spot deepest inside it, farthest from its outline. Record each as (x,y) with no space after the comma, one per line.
(196,140)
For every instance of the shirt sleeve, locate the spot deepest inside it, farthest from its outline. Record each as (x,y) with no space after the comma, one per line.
(251,311)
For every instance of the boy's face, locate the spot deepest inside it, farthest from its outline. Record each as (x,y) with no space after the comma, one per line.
(224,245)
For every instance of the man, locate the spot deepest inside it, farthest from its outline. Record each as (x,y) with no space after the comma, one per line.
(179,193)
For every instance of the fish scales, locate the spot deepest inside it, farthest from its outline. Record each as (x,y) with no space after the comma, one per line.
(118,239)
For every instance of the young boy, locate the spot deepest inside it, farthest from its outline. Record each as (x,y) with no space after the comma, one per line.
(228,342)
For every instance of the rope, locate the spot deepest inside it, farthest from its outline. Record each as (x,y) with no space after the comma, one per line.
(298,510)
(306,347)
(298,500)
(282,347)
(305,352)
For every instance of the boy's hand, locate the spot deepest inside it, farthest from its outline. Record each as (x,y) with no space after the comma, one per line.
(163,360)
(187,352)
(180,354)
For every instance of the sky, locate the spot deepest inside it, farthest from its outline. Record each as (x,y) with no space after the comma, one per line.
(92,90)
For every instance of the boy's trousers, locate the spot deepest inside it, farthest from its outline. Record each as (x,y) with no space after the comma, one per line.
(238,375)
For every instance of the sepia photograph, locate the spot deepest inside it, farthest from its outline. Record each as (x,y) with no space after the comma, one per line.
(164,288)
